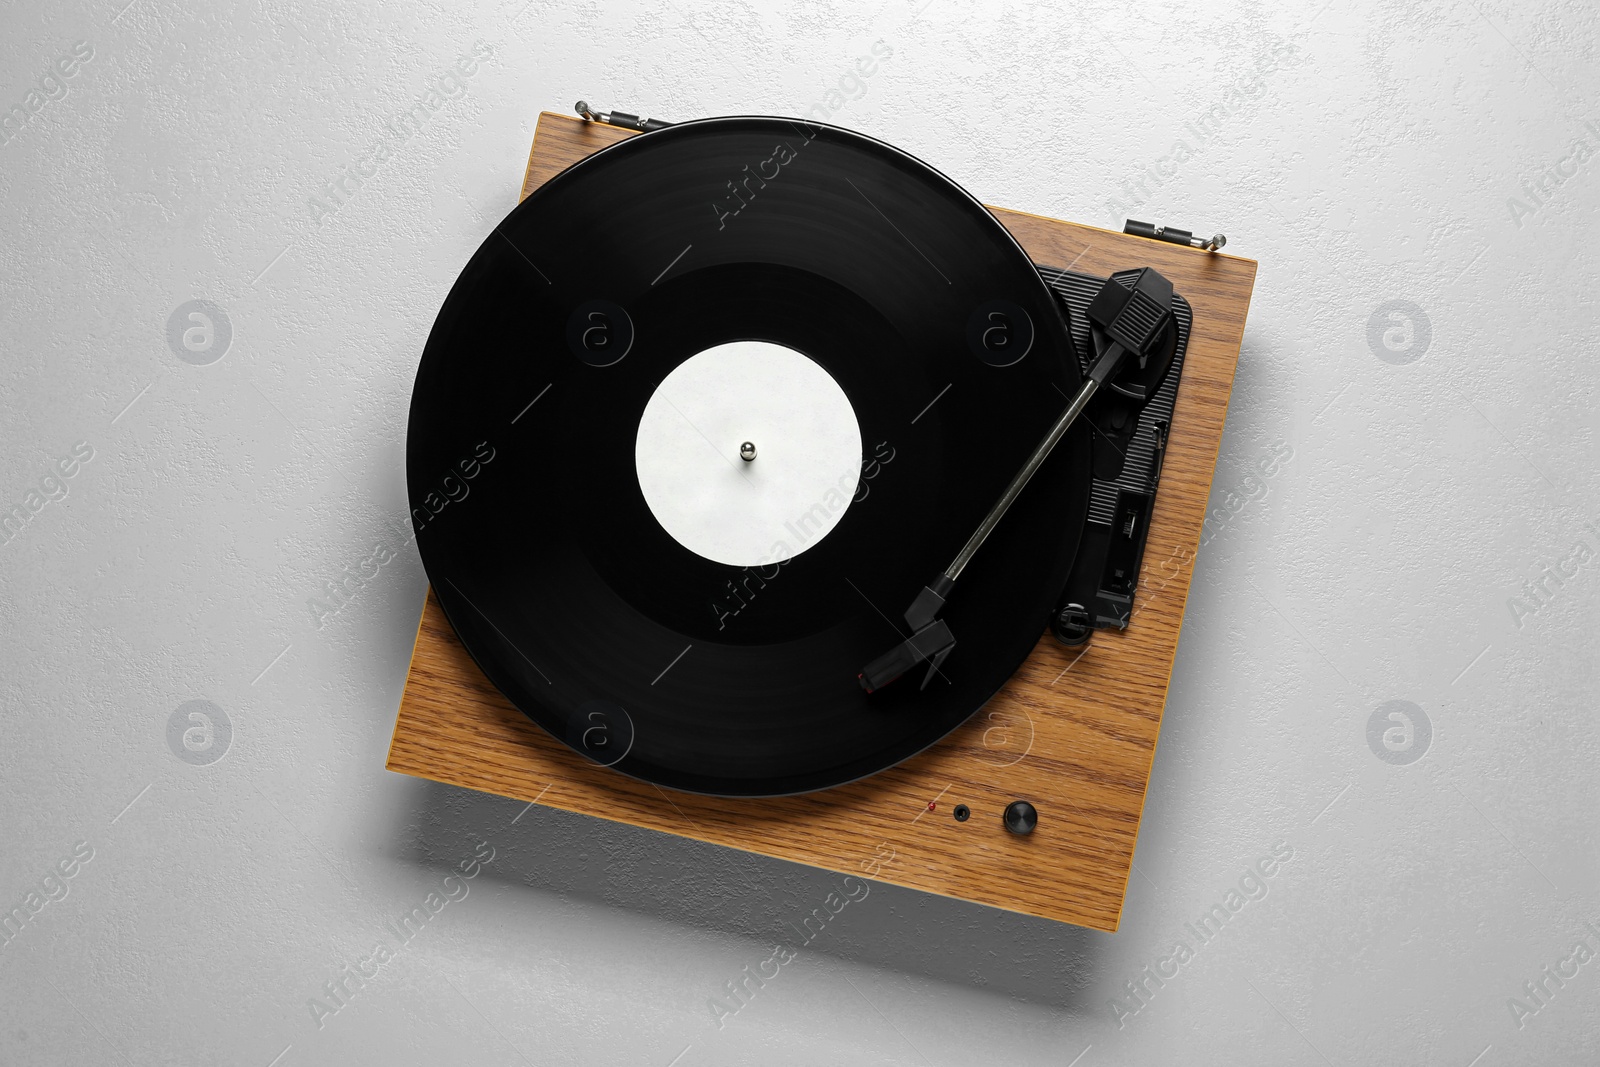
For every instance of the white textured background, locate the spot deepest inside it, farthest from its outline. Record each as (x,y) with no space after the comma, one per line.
(1440,457)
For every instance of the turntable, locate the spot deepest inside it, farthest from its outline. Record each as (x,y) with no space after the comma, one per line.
(776,493)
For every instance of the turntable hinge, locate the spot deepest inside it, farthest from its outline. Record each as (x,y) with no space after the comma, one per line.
(1173,235)
(618,118)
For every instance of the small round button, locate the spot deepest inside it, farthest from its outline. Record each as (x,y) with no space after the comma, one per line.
(1021,817)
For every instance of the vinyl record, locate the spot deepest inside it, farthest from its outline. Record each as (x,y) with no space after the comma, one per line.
(758,266)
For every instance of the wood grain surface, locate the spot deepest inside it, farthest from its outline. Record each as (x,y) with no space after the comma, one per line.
(1074,732)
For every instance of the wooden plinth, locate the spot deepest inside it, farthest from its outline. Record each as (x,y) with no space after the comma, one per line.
(1072,733)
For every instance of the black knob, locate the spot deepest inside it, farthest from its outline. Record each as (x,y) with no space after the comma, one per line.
(1021,817)
(1072,625)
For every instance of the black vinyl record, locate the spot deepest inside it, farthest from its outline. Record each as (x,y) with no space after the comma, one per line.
(540,545)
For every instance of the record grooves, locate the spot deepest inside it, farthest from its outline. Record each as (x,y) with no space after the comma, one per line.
(596,622)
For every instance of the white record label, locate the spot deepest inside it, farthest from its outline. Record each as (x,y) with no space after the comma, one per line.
(807,453)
